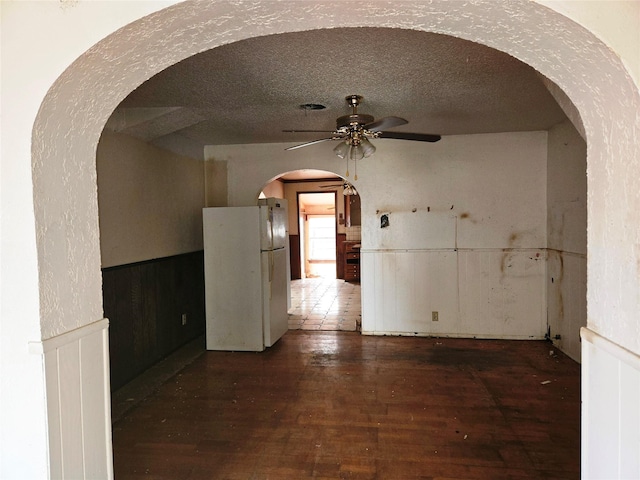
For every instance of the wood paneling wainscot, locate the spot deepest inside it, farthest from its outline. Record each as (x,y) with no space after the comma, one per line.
(153,307)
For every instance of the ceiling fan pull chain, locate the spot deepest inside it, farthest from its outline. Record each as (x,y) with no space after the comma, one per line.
(347,158)
(355,168)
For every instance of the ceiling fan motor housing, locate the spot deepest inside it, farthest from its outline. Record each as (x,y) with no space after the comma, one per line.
(353,119)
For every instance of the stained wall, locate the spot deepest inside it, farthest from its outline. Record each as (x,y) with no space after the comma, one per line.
(567,238)
(467,235)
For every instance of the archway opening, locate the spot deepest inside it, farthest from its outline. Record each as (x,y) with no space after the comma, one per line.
(326,293)
(425,238)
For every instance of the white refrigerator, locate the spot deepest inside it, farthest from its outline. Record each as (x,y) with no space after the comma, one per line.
(246,271)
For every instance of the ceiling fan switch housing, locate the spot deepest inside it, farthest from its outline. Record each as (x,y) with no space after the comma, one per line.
(353,100)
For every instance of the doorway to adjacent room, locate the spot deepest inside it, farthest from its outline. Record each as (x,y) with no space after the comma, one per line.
(317,226)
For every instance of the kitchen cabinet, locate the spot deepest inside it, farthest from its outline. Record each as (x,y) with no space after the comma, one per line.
(352,261)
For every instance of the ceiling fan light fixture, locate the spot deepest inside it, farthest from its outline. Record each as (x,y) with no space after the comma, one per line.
(367,147)
(349,190)
(356,152)
(342,150)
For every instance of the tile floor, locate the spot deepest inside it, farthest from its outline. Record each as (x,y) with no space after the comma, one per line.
(324,304)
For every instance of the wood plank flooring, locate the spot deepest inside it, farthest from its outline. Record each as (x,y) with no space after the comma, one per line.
(338,405)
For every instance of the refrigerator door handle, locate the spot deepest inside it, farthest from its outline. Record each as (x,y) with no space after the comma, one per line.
(271,227)
(271,267)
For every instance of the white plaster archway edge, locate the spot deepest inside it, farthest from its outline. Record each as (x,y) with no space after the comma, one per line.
(74,112)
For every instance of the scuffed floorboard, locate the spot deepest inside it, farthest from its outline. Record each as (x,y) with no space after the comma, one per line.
(331,405)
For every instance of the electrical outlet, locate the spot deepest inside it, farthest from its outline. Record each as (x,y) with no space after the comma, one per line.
(184,319)
(434,316)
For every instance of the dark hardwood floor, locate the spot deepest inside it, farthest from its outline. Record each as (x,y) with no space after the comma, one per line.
(333,405)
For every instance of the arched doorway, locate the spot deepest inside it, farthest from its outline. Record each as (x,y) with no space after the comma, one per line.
(64,188)
(323,295)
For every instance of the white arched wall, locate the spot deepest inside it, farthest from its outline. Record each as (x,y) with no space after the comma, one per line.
(78,104)
(66,217)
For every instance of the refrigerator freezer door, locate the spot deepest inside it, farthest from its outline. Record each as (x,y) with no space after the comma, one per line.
(275,317)
(279,237)
(266,230)
(273,227)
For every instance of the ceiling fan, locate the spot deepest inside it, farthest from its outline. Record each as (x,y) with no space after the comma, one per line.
(347,188)
(356,129)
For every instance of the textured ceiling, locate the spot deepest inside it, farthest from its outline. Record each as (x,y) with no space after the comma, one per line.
(249,91)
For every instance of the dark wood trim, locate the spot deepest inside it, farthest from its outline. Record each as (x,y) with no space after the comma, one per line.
(315,180)
(152,260)
(340,260)
(294,257)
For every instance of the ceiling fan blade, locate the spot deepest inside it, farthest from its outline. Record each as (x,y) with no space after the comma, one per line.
(309,143)
(386,122)
(418,137)
(307,131)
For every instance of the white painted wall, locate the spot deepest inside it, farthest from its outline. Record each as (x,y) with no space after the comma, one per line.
(274,189)
(473,249)
(216,182)
(615,22)
(39,41)
(50,247)
(611,343)
(246,178)
(474,178)
(567,236)
(150,201)
(466,237)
